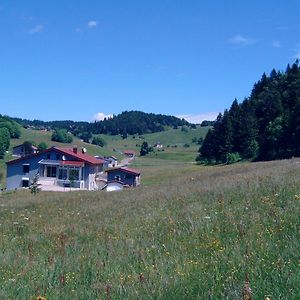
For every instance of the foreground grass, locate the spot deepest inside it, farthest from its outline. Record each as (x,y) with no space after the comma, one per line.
(207,234)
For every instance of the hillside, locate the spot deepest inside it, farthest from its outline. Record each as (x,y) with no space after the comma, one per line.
(173,141)
(265,126)
(196,235)
(116,144)
(127,122)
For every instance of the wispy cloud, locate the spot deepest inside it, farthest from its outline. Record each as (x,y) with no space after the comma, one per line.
(197,119)
(100,116)
(92,24)
(159,69)
(36,29)
(276,44)
(241,41)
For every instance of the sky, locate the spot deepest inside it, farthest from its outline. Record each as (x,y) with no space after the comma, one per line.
(86,59)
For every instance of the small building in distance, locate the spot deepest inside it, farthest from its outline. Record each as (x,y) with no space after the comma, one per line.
(24,150)
(128,177)
(158,145)
(129,153)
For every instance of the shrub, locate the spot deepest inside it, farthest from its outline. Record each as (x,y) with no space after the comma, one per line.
(232,158)
(42,146)
(4,141)
(98,141)
(62,136)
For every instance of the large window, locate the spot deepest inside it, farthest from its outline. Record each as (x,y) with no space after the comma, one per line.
(63,174)
(74,174)
(51,171)
(71,174)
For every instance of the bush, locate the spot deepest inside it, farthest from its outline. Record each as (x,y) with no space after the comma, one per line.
(186,145)
(145,149)
(98,141)
(4,141)
(61,136)
(42,146)
(232,158)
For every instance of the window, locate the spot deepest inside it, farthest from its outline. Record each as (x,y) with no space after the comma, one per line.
(51,171)
(74,174)
(25,183)
(26,168)
(118,178)
(63,174)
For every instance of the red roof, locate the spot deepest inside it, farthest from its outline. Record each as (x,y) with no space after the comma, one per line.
(72,163)
(81,156)
(129,152)
(126,170)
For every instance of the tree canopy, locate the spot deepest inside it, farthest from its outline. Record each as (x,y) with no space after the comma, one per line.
(265,126)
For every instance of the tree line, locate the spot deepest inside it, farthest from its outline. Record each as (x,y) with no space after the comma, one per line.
(128,122)
(265,126)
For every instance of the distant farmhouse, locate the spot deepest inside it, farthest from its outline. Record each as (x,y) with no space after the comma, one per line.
(23,150)
(129,153)
(118,178)
(56,168)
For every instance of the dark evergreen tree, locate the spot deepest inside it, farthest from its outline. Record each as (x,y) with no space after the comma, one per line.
(264,126)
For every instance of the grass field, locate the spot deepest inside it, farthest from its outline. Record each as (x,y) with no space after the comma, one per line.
(190,232)
(174,138)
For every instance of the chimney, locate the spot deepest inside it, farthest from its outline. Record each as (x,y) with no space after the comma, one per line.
(75,149)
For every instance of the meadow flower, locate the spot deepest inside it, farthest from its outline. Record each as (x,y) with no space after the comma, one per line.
(40,298)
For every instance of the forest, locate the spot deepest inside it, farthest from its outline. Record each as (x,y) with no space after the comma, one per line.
(265,126)
(128,122)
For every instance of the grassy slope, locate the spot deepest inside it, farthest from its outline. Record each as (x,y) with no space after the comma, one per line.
(193,232)
(174,138)
(171,137)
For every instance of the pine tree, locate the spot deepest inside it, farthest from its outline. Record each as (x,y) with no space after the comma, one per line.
(34,186)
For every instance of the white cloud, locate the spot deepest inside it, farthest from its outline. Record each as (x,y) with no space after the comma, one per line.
(241,41)
(37,29)
(276,44)
(100,116)
(92,24)
(197,119)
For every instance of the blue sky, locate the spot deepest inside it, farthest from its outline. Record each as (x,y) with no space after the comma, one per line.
(75,59)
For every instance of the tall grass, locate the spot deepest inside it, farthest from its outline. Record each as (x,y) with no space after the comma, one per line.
(222,233)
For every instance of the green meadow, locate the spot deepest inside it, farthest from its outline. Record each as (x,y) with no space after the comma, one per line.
(173,141)
(188,232)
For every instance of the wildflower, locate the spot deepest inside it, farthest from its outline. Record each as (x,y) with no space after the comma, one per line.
(40,298)
(267,298)
(297,197)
